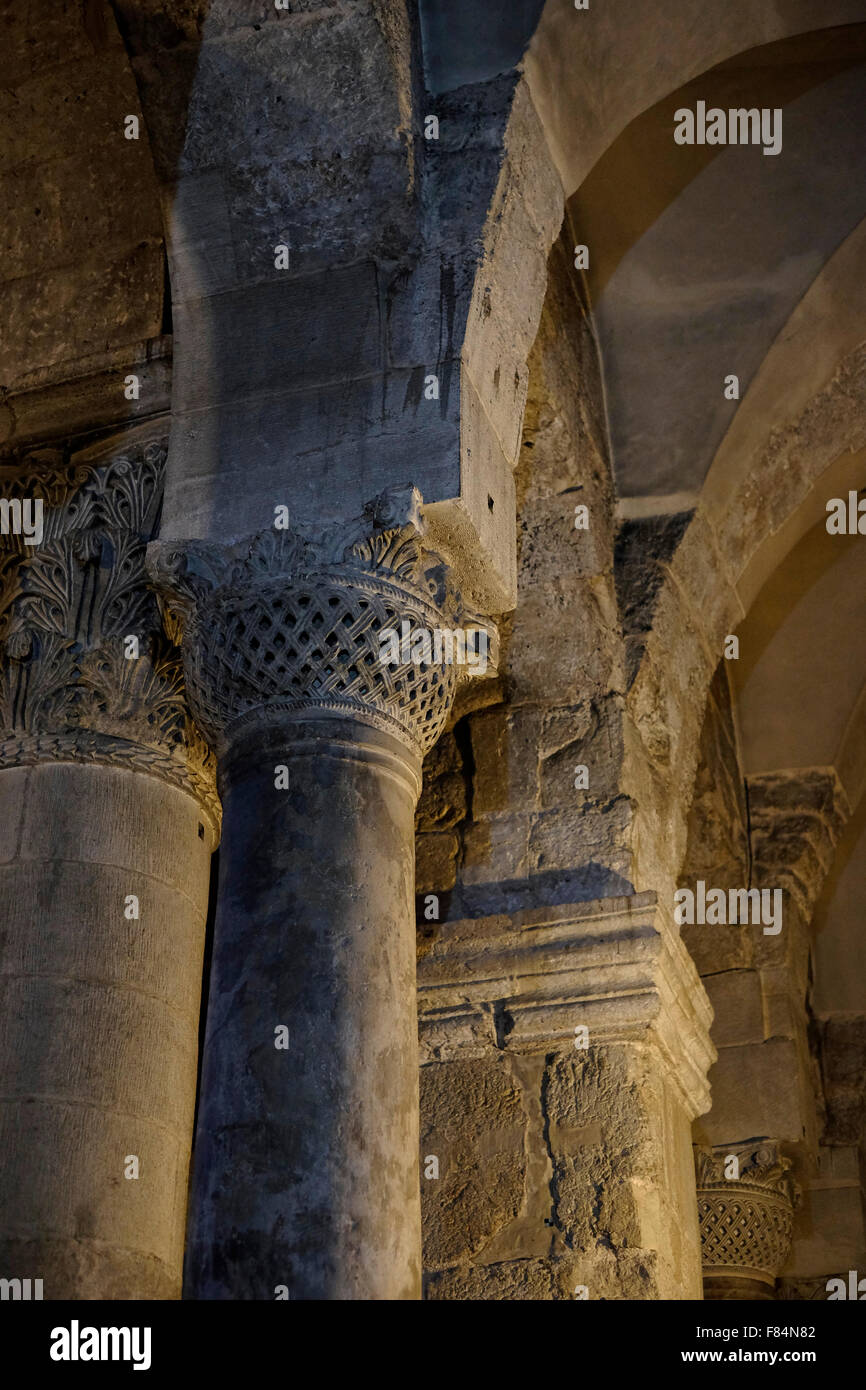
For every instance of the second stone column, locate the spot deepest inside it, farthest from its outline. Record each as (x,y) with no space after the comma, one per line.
(314,668)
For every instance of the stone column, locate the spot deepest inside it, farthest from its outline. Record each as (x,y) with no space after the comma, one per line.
(767,1085)
(108,814)
(746,1200)
(306,1179)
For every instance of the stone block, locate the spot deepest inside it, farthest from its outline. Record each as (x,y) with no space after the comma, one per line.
(496,849)
(348,442)
(838,1165)
(472,1119)
(717,949)
(736,999)
(319,110)
(298,330)
(505,749)
(442,803)
(199,246)
(511,1281)
(339,208)
(626,1192)
(756,1090)
(829,1236)
(436,862)
(33,40)
(51,316)
(588,735)
(563,838)
(425,308)
(550,545)
(564,645)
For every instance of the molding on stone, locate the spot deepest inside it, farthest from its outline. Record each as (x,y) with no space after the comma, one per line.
(611,964)
(746,1223)
(289,620)
(67,690)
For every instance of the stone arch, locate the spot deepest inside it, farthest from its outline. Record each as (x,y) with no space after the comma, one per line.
(818,455)
(410,262)
(708,561)
(570,60)
(484,205)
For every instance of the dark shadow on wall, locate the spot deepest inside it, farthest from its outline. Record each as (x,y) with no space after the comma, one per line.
(466,41)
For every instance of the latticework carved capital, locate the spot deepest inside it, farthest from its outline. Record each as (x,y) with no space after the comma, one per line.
(292,621)
(74,686)
(745,1222)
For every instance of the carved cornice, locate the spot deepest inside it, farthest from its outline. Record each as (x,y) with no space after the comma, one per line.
(290,621)
(68,690)
(612,965)
(745,1222)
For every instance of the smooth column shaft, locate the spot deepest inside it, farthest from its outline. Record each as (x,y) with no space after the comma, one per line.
(99,1010)
(306,1162)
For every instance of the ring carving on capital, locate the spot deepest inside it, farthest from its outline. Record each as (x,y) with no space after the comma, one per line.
(289,621)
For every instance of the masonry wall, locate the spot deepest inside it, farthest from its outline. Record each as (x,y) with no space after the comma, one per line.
(560,1169)
(500,819)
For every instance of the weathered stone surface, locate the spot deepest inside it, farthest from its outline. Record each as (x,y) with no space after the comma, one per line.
(756,1090)
(533,1280)
(829,1234)
(619,1133)
(718,853)
(606,1137)
(409,259)
(100,1025)
(737,1005)
(472,1120)
(643,547)
(435,862)
(442,803)
(306,1162)
(505,748)
(496,850)
(589,736)
(843,1057)
(796,821)
(83,263)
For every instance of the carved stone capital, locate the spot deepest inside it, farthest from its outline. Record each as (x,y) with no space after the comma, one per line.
(746,1221)
(291,621)
(88,673)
